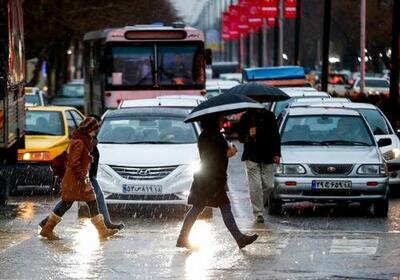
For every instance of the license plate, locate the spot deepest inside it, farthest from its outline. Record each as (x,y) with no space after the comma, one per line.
(331,185)
(142,189)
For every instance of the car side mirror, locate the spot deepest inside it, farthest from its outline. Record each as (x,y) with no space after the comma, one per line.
(383,142)
(208,56)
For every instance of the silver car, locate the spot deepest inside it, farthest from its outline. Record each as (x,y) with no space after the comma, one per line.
(330,155)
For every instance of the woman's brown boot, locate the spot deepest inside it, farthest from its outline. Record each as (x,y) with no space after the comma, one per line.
(47,229)
(104,232)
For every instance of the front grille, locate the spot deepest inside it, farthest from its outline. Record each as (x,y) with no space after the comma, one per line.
(143,173)
(116,196)
(331,169)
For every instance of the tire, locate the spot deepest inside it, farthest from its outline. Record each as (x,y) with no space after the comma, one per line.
(207,213)
(4,191)
(274,206)
(381,208)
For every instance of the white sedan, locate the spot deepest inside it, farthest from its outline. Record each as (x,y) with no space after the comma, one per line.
(147,156)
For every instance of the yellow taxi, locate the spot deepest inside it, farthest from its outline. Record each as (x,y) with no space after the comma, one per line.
(47,135)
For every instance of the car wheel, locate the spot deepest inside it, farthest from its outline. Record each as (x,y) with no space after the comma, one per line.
(274,206)
(207,213)
(4,191)
(381,208)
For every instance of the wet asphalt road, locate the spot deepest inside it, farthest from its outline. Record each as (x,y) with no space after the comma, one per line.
(307,242)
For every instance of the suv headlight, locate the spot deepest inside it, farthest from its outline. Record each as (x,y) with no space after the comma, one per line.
(372,169)
(391,154)
(287,169)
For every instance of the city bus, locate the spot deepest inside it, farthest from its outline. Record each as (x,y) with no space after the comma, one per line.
(12,100)
(142,61)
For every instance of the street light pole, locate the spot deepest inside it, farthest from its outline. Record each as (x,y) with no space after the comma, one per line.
(325,45)
(394,70)
(280,40)
(297,34)
(362,46)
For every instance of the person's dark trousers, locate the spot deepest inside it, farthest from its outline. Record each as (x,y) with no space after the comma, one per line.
(101,202)
(227,217)
(63,206)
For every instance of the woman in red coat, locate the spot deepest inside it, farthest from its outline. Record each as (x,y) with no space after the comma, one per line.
(76,185)
(210,184)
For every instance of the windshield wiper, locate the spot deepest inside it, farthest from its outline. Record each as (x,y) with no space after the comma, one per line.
(346,142)
(31,132)
(301,142)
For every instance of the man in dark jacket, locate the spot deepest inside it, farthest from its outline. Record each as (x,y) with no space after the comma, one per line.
(258,130)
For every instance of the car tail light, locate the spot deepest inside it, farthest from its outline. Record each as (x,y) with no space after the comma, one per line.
(108,94)
(372,184)
(227,124)
(291,183)
(34,156)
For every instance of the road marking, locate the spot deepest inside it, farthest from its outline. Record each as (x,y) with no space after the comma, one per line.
(365,246)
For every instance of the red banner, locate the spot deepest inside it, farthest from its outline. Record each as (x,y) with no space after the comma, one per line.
(290,11)
(255,18)
(230,22)
(269,8)
(271,22)
(243,26)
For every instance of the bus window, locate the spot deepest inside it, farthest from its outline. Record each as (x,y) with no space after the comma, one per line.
(131,66)
(180,64)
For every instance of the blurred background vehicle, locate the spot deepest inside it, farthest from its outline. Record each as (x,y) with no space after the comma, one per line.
(70,94)
(373,86)
(34,97)
(215,87)
(223,67)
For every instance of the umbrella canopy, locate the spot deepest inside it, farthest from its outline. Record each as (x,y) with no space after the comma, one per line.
(223,104)
(259,92)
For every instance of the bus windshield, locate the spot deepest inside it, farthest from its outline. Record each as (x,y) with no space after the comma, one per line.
(146,65)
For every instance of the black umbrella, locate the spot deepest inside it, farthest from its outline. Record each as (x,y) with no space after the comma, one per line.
(259,92)
(223,104)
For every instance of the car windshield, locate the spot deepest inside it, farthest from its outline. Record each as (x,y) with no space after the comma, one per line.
(44,123)
(376,121)
(148,64)
(32,99)
(326,130)
(72,90)
(282,105)
(147,130)
(375,83)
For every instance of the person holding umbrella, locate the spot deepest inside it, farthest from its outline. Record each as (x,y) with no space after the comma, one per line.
(209,188)
(258,131)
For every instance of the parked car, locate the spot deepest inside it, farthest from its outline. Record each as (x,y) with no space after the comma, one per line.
(34,97)
(338,84)
(148,156)
(47,135)
(295,94)
(373,86)
(330,155)
(380,127)
(222,67)
(71,94)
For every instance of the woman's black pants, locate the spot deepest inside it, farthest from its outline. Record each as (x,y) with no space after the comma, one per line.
(227,217)
(64,206)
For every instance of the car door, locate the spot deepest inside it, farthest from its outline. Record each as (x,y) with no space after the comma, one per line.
(71,123)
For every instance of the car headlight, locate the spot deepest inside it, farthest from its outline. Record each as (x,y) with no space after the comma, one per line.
(391,154)
(290,169)
(34,156)
(372,169)
(194,167)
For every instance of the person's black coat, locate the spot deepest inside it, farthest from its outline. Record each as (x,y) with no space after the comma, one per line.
(208,188)
(95,164)
(267,142)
